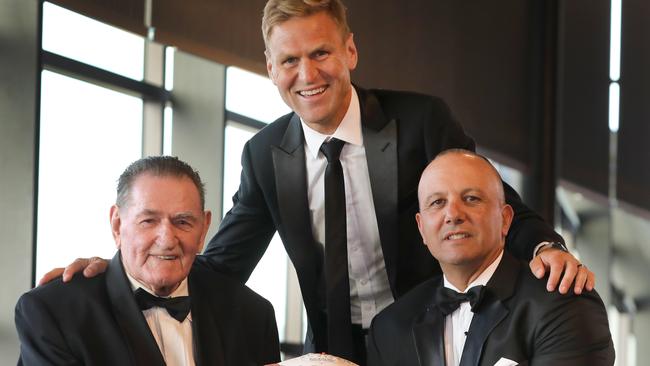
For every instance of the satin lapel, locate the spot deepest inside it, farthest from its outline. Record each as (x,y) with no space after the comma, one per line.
(291,186)
(143,346)
(492,311)
(380,142)
(207,339)
(428,335)
(306,254)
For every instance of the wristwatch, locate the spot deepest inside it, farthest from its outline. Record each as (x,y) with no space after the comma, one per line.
(552,244)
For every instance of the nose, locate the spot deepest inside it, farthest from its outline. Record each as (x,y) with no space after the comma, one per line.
(454,213)
(308,71)
(166,235)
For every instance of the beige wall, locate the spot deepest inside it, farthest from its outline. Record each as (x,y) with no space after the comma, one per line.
(18,73)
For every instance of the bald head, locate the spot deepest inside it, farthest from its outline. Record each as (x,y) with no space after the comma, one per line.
(452,160)
(463,216)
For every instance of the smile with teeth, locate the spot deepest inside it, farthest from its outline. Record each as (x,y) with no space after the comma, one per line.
(456,236)
(166,257)
(311,92)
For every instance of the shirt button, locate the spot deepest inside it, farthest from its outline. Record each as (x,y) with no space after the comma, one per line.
(354,249)
(364,281)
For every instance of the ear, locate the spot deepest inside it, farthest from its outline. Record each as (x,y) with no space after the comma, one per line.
(207,220)
(351,52)
(418,219)
(507,214)
(269,66)
(115,225)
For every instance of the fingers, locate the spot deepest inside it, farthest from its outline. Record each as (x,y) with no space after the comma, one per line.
(585,280)
(78,265)
(95,266)
(570,273)
(537,267)
(555,273)
(49,276)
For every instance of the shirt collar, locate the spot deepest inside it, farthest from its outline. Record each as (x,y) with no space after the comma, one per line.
(482,279)
(181,290)
(349,129)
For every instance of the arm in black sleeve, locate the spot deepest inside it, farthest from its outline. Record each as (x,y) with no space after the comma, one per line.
(528,229)
(245,231)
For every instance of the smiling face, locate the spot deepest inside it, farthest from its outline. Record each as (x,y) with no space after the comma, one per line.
(309,60)
(463,218)
(160,230)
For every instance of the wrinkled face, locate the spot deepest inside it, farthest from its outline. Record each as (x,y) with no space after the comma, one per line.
(309,61)
(462,219)
(160,230)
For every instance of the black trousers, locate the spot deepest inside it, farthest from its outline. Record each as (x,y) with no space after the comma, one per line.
(359,336)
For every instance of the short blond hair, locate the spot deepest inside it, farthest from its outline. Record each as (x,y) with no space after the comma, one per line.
(279,11)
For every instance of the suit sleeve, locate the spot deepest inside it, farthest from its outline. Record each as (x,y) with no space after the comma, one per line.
(245,231)
(574,332)
(528,229)
(272,350)
(41,340)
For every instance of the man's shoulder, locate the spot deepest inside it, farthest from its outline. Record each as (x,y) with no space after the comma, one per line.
(411,304)
(273,132)
(65,296)
(532,290)
(398,99)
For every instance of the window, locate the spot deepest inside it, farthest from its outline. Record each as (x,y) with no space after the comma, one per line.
(270,277)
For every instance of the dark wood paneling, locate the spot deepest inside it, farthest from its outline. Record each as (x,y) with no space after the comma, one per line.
(228,32)
(473,54)
(634,132)
(125,14)
(584,94)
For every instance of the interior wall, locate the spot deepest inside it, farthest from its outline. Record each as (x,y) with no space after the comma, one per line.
(18,102)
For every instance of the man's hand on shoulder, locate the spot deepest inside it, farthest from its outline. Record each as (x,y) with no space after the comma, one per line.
(91,267)
(562,266)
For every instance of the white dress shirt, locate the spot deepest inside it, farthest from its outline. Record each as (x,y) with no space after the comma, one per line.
(458,322)
(174,338)
(369,288)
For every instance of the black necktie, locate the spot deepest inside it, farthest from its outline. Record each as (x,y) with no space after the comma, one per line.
(177,307)
(449,300)
(339,326)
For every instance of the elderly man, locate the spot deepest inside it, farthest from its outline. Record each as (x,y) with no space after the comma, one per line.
(337,179)
(486,308)
(151,306)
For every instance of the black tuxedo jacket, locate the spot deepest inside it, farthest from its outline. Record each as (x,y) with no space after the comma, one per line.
(518,320)
(95,321)
(402,133)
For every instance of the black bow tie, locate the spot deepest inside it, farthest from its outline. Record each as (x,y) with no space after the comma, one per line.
(177,307)
(449,300)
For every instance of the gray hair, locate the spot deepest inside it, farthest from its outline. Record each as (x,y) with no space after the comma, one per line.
(160,166)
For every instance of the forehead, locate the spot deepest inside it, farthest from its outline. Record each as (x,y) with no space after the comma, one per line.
(158,190)
(304,31)
(459,172)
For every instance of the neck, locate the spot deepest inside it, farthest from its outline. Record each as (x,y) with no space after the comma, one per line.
(461,275)
(329,126)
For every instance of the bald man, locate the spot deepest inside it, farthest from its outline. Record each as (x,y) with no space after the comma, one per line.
(486,308)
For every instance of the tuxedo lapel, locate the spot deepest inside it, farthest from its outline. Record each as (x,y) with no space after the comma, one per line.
(492,310)
(291,185)
(380,143)
(428,336)
(290,174)
(206,335)
(137,335)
